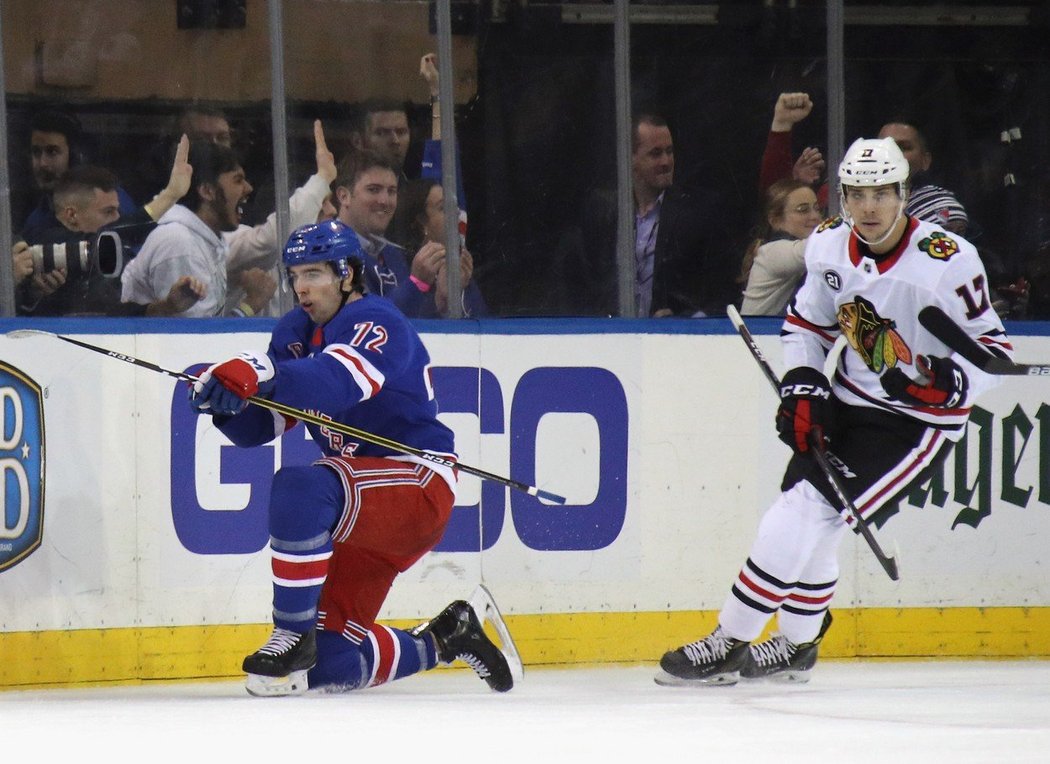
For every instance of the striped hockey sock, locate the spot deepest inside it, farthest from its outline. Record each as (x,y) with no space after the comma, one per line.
(299,572)
(357,658)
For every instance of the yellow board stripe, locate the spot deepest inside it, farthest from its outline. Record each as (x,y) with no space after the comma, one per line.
(132,655)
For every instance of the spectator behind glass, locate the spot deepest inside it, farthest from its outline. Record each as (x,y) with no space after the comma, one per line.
(206,123)
(200,123)
(926,201)
(366,195)
(681,257)
(85,203)
(790,109)
(255,249)
(188,238)
(421,206)
(775,262)
(381,127)
(56,143)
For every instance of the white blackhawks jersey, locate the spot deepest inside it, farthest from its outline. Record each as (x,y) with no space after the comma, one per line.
(875,305)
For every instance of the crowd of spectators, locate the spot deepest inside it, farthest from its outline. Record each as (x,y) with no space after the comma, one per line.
(87,248)
(187,252)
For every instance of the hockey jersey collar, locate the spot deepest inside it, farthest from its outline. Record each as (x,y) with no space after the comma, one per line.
(859,251)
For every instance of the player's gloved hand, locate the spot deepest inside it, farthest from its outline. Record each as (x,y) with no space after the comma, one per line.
(224,388)
(805,408)
(943,383)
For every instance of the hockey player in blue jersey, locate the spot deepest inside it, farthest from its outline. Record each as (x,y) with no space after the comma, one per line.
(342,528)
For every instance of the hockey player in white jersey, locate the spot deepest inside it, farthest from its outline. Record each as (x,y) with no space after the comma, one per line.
(898,401)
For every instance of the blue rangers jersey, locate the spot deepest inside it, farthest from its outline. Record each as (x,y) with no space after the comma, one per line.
(366,368)
(874,302)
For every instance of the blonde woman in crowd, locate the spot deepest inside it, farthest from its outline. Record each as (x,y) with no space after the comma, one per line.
(775,262)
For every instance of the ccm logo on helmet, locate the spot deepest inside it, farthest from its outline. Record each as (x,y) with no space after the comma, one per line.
(799,390)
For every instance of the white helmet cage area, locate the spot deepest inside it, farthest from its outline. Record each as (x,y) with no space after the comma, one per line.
(869,163)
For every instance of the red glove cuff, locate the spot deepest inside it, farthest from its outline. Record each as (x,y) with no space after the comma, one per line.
(238,377)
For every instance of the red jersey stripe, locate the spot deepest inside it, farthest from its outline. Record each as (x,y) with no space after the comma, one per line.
(360,368)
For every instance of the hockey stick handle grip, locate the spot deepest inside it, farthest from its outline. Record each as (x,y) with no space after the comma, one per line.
(940,325)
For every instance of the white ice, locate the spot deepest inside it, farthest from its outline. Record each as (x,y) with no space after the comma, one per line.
(886,712)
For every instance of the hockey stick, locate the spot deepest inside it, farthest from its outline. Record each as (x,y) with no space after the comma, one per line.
(889,564)
(306,416)
(940,325)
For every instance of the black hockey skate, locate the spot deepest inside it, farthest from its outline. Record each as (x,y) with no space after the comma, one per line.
(715,659)
(780,659)
(279,667)
(458,634)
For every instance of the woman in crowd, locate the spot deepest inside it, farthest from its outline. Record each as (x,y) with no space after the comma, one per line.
(420,218)
(775,262)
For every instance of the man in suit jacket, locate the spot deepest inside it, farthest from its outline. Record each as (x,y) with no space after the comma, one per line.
(682,246)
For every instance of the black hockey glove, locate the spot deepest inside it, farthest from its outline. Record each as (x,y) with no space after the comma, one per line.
(943,384)
(805,408)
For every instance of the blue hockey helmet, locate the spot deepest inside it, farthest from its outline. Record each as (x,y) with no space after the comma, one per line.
(329,242)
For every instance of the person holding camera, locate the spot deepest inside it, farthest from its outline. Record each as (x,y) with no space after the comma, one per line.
(57,142)
(59,270)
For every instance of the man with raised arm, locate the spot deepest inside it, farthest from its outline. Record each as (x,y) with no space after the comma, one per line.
(899,401)
(189,240)
(342,528)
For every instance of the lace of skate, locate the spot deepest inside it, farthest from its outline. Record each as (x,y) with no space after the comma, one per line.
(707,650)
(280,642)
(776,649)
(475,663)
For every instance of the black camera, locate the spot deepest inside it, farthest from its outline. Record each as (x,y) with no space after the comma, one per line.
(105,252)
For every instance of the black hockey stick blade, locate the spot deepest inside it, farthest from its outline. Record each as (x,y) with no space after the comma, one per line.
(888,563)
(306,416)
(940,325)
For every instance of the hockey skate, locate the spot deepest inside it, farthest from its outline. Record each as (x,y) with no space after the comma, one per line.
(280,666)
(714,660)
(458,634)
(779,659)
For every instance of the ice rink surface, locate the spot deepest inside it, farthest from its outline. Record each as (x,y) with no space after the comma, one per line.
(887,712)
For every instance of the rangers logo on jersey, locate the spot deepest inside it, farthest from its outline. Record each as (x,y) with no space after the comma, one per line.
(834,222)
(939,245)
(875,338)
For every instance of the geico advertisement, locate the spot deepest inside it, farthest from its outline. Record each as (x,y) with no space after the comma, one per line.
(223,508)
(144,514)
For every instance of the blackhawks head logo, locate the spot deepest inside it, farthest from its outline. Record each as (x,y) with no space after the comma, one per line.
(939,245)
(875,338)
(834,222)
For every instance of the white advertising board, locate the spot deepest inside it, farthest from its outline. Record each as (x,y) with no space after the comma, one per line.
(662,443)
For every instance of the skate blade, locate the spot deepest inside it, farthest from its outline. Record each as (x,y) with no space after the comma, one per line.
(277,686)
(790,677)
(780,677)
(664,679)
(485,606)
